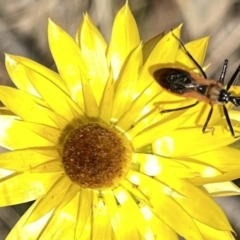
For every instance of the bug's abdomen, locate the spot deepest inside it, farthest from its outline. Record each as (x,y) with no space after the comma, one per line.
(187,84)
(174,80)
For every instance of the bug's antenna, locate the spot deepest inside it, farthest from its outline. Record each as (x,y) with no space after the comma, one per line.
(190,56)
(223,73)
(234,76)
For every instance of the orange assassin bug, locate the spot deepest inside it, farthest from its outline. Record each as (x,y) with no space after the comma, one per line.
(188,84)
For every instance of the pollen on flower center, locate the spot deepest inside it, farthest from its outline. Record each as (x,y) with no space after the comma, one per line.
(95,156)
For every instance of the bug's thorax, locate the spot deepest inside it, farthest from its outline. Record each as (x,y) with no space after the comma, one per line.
(216,94)
(213,91)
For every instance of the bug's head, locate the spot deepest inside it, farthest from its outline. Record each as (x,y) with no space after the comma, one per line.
(224,96)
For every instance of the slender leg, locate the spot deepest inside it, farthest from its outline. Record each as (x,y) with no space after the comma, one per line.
(207,120)
(223,73)
(235,100)
(190,56)
(178,109)
(229,121)
(231,81)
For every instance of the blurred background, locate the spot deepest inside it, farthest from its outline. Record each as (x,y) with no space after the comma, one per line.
(23,31)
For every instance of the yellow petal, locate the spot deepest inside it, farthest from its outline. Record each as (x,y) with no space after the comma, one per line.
(93,49)
(84,212)
(167,209)
(124,39)
(141,124)
(16,134)
(67,56)
(25,187)
(233,114)
(5,111)
(51,199)
(4,172)
(197,142)
(64,221)
(58,100)
(222,189)
(50,166)
(214,234)
(21,231)
(128,229)
(129,205)
(91,107)
(168,46)
(196,199)
(139,108)
(224,158)
(126,84)
(21,160)
(229,176)
(198,168)
(29,108)
(159,228)
(203,110)
(153,165)
(131,188)
(164,206)
(150,45)
(113,212)
(87,233)
(70,193)
(157,130)
(16,67)
(197,49)
(101,225)
(107,100)
(165,52)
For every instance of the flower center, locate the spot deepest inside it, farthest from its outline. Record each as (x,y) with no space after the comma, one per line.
(96,157)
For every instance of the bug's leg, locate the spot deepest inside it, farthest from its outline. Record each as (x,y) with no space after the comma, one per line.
(191,57)
(235,100)
(223,73)
(207,121)
(181,108)
(231,81)
(229,121)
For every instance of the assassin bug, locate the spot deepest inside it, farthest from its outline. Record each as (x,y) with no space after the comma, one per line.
(190,85)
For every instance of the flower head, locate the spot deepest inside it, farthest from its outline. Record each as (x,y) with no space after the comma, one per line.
(89,145)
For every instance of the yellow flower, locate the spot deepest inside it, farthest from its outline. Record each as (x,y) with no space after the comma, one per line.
(89,145)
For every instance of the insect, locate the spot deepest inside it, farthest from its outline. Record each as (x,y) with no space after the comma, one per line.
(188,84)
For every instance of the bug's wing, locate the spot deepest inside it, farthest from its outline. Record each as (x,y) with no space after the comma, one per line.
(175,80)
